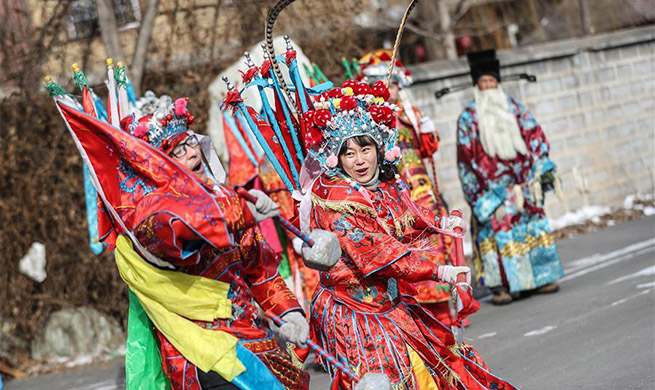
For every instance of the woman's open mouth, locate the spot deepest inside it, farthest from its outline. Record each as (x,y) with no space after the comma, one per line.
(361,171)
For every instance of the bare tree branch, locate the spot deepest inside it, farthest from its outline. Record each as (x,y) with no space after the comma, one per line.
(141,50)
(109,29)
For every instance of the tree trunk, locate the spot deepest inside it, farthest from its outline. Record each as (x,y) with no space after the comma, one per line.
(447,30)
(109,29)
(141,50)
(585,16)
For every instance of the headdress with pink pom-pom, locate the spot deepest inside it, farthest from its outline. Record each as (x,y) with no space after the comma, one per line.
(164,128)
(355,109)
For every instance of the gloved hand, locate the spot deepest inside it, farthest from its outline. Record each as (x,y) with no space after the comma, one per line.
(264,208)
(295,330)
(297,245)
(448,274)
(325,253)
(450,222)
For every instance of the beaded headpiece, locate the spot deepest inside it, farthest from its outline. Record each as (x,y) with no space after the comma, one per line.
(355,109)
(163,128)
(374,66)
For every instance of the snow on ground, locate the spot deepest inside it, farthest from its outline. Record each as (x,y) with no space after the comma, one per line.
(593,213)
(579,216)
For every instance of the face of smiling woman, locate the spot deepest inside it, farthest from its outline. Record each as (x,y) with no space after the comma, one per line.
(360,162)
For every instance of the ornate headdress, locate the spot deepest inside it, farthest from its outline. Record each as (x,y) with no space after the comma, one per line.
(150,103)
(374,66)
(164,128)
(355,109)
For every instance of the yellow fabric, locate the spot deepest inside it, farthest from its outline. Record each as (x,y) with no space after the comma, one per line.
(423,377)
(169,298)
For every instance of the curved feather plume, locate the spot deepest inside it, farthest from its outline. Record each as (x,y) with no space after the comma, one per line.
(273,14)
(399,36)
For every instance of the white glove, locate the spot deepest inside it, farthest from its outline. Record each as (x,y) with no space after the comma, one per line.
(448,273)
(325,253)
(450,222)
(264,208)
(427,126)
(297,245)
(295,330)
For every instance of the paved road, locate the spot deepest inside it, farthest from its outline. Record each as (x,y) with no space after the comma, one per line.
(597,332)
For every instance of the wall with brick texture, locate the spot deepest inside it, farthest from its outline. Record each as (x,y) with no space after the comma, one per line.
(595,99)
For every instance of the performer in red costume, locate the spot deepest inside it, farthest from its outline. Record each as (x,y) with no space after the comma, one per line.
(363,312)
(418,141)
(163,195)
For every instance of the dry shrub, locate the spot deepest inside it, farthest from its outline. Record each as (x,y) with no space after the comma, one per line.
(42,199)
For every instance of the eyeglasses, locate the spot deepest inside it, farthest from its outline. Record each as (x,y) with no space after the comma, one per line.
(180,150)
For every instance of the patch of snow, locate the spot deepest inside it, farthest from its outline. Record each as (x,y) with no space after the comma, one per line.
(579,216)
(33,263)
(629,202)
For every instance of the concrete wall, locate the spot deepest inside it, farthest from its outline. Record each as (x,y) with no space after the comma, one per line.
(595,99)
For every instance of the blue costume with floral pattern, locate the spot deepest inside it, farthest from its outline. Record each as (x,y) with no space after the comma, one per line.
(517,250)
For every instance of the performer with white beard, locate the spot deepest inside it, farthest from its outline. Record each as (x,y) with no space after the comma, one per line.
(503,164)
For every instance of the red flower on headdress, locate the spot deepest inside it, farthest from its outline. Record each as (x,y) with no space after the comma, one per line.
(384,56)
(321,117)
(380,89)
(335,93)
(348,103)
(408,72)
(332,93)
(350,83)
(383,115)
(308,118)
(313,138)
(362,89)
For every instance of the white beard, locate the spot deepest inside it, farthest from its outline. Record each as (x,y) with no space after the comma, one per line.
(499,130)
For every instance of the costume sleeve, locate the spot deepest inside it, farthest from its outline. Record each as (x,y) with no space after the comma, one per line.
(261,274)
(535,139)
(172,237)
(372,249)
(483,196)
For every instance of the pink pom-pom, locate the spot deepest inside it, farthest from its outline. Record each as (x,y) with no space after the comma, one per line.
(332,161)
(180,107)
(392,154)
(141,130)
